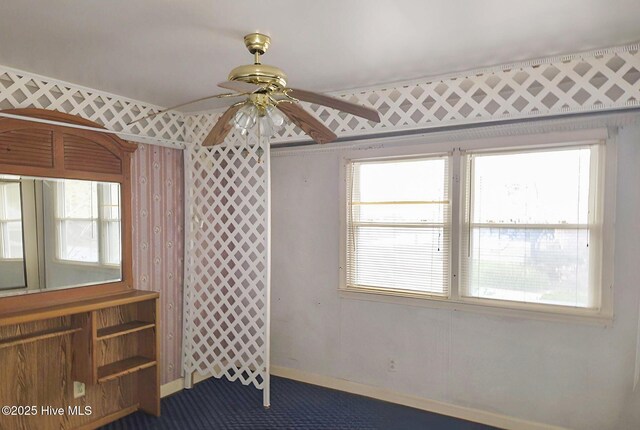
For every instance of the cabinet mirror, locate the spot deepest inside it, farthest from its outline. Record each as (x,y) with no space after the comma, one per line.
(58,233)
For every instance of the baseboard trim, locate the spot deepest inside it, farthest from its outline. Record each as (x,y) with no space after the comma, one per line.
(462,412)
(172,387)
(178,385)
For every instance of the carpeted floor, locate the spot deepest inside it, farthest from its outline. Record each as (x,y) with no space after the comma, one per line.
(220,404)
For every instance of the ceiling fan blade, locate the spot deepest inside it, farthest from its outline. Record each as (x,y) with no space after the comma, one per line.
(308,123)
(219,131)
(335,103)
(240,86)
(217,96)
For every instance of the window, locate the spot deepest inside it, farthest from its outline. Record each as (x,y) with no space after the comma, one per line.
(530,223)
(88,230)
(10,221)
(398,225)
(515,228)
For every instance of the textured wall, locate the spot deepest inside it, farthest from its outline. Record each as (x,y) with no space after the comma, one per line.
(158,223)
(574,375)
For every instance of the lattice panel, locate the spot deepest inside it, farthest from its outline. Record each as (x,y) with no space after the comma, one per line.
(595,81)
(598,81)
(226,288)
(24,90)
(197,126)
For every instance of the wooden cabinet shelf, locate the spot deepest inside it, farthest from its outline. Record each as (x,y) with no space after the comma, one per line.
(41,335)
(97,341)
(123,367)
(70,307)
(123,329)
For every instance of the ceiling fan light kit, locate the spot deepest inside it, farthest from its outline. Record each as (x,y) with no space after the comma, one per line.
(269,100)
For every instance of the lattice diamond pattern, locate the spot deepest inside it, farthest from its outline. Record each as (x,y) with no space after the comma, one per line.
(601,80)
(22,90)
(588,82)
(226,274)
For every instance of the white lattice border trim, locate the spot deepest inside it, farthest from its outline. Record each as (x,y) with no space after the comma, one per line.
(588,82)
(20,89)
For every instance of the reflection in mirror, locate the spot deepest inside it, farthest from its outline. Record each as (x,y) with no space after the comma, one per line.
(11,248)
(82,232)
(63,233)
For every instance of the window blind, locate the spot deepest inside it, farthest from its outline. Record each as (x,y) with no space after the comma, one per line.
(529,224)
(398,225)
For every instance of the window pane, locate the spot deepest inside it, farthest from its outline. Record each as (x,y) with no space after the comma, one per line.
(10,221)
(13,242)
(532,188)
(530,265)
(544,255)
(80,199)
(112,242)
(79,240)
(111,201)
(412,180)
(12,201)
(398,225)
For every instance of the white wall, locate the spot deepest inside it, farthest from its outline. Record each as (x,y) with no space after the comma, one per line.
(566,374)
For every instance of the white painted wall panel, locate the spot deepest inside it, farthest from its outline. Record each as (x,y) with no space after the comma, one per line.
(567,374)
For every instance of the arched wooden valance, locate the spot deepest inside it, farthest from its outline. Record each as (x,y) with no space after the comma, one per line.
(41,149)
(47,150)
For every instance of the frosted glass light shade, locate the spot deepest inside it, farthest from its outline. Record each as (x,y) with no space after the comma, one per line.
(246,117)
(276,116)
(267,128)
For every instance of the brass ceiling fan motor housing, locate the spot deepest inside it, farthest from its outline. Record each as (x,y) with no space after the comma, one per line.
(265,87)
(261,74)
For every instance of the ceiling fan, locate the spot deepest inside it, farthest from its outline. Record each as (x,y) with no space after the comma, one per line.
(267,98)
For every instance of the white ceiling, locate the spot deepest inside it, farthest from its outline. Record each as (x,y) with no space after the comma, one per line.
(168,51)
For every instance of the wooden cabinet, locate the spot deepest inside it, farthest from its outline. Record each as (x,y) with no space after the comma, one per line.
(104,335)
(110,343)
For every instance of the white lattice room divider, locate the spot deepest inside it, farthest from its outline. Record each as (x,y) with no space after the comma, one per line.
(227,262)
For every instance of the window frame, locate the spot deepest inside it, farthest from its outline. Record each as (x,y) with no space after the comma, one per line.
(101,223)
(446,225)
(414,146)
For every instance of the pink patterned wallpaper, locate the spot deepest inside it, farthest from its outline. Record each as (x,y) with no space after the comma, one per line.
(158,223)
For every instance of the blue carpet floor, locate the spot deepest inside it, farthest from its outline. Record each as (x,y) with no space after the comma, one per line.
(220,404)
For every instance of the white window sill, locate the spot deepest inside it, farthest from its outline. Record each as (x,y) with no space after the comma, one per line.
(487,307)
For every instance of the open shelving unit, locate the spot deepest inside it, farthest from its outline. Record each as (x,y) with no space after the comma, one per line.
(112,337)
(125,341)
